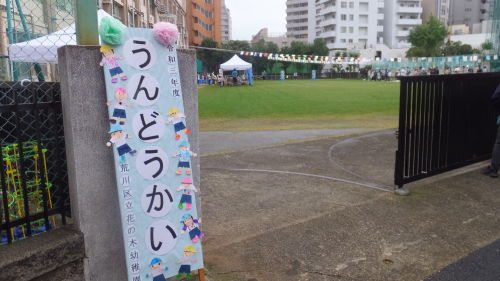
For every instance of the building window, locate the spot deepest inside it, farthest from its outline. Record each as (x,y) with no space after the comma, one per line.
(206,13)
(351,29)
(199,35)
(351,5)
(65,5)
(342,41)
(130,19)
(458,32)
(343,5)
(443,1)
(117,11)
(207,27)
(443,11)
(351,17)
(342,29)
(351,40)
(208,1)
(468,9)
(333,40)
(343,17)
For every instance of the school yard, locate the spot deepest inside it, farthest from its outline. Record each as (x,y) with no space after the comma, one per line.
(299,105)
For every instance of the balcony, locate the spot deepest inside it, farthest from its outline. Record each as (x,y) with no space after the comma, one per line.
(380,28)
(329,10)
(327,23)
(402,33)
(332,45)
(409,21)
(409,10)
(328,34)
(404,45)
(380,16)
(299,24)
(325,2)
(381,4)
(297,17)
(296,9)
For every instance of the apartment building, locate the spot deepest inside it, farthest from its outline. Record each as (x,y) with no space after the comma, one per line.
(279,39)
(401,16)
(349,22)
(470,13)
(297,19)
(145,13)
(438,8)
(227,24)
(204,20)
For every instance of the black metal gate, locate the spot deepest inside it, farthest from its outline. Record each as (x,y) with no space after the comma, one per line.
(445,122)
(34,186)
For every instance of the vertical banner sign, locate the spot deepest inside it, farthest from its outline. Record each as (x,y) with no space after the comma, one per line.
(314,75)
(149,137)
(282,75)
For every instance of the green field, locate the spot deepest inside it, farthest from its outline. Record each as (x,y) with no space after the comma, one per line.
(299,105)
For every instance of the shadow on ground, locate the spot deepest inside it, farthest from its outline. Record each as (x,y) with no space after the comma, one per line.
(264,226)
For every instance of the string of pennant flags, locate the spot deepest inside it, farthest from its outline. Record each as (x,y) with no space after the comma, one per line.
(347,60)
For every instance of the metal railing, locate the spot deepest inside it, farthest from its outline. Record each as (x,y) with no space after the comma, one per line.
(34,185)
(445,122)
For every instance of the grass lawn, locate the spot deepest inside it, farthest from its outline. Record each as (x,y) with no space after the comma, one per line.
(299,105)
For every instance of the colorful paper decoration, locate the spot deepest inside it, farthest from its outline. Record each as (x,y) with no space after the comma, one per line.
(143,148)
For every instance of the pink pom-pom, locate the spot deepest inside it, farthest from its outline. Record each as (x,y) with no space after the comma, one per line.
(165,33)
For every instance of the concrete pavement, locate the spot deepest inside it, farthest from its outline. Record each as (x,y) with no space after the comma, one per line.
(311,223)
(214,142)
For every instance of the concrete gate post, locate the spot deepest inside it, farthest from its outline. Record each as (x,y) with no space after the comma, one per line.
(93,189)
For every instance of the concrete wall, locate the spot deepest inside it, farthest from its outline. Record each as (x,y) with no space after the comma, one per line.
(94,201)
(55,255)
(475,40)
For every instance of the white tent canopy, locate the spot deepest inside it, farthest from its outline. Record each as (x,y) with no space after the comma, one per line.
(236,63)
(44,49)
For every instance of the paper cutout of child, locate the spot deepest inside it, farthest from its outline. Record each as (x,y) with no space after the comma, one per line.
(176,118)
(186,262)
(187,188)
(109,59)
(157,270)
(120,103)
(192,227)
(119,140)
(185,156)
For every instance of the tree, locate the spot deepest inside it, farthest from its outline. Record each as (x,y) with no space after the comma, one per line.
(209,57)
(319,48)
(237,45)
(426,39)
(488,45)
(456,48)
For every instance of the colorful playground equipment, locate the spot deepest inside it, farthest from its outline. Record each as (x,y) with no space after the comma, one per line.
(34,187)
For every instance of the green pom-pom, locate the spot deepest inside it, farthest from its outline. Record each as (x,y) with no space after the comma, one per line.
(112,31)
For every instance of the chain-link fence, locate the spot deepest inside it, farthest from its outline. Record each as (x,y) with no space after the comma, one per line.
(34,186)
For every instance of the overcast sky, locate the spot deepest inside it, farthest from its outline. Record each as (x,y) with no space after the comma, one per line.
(251,16)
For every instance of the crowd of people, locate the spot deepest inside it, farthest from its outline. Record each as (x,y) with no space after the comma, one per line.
(386,74)
(213,79)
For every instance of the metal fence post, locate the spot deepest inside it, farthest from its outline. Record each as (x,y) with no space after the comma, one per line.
(86,23)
